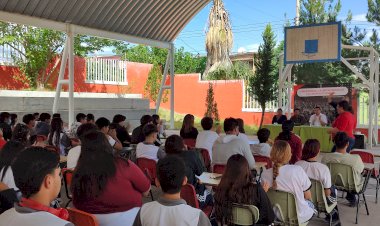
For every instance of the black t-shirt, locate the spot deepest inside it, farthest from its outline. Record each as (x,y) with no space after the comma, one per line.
(279,120)
(192,134)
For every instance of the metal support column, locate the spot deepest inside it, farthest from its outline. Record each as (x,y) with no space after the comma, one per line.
(162,88)
(71,75)
(61,79)
(172,50)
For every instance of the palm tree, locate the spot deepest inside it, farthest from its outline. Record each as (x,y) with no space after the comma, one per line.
(218,38)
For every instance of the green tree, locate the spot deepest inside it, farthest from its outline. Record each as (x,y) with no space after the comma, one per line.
(373,15)
(211,105)
(262,85)
(153,83)
(37,50)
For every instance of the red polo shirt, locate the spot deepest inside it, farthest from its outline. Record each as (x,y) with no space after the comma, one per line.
(345,122)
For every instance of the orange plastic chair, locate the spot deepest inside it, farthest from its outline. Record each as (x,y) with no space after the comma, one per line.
(189,195)
(369,158)
(189,142)
(67,178)
(148,166)
(206,158)
(260,158)
(218,168)
(81,218)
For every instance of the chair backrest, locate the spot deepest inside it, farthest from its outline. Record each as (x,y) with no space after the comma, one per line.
(244,214)
(365,156)
(342,176)
(148,166)
(318,197)
(189,195)
(285,204)
(206,158)
(260,158)
(67,175)
(189,142)
(81,218)
(218,168)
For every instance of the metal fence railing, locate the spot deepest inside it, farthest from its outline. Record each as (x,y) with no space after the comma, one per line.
(106,71)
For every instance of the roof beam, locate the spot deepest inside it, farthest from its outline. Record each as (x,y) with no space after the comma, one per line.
(61,26)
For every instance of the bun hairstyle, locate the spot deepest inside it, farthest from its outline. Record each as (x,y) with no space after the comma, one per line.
(280,155)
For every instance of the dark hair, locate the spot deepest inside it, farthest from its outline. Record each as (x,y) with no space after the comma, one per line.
(31,167)
(96,165)
(84,128)
(310,149)
(171,171)
(341,140)
(145,119)
(236,186)
(118,118)
(296,109)
(8,153)
(27,118)
(187,123)
(317,107)
(148,129)
(174,144)
(207,123)
(263,135)
(241,125)
(344,104)
(3,116)
(55,132)
(45,116)
(114,126)
(156,119)
(280,109)
(56,115)
(102,122)
(287,128)
(80,117)
(13,119)
(20,133)
(230,124)
(90,117)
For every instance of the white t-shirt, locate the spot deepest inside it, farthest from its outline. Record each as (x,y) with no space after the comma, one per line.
(314,120)
(243,137)
(125,218)
(148,151)
(292,179)
(73,156)
(8,179)
(206,140)
(316,171)
(111,140)
(262,149)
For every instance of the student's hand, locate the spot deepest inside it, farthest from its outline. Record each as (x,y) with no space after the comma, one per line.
(112,133)
(265,186)
(3,186)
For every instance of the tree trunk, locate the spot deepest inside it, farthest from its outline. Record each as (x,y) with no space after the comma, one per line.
(262,115)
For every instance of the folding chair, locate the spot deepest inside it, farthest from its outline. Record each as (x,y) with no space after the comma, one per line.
(206,158)
(260,158)
(189,142)
(342,176)
(67,178)
(189,195)
(319,199)
(148,166)
(218,168)
(369,158)
(81,218)
(286,205)
(244,214)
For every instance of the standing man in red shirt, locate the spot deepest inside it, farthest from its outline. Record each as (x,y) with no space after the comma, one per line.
(345,122)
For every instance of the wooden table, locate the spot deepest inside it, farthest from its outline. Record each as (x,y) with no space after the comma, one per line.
(212,179)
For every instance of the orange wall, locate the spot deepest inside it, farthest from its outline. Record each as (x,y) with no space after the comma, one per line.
(11,79)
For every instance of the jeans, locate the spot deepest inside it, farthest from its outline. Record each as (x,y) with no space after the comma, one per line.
(351,143)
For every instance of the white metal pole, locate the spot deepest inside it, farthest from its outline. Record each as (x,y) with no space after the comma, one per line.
(297,21)
(280,75)
(71,76)
(172,86)
(376,64)
(60,76)
(164,75)
(371,100)
(289,109)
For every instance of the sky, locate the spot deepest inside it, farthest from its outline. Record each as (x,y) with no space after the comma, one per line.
(249,18)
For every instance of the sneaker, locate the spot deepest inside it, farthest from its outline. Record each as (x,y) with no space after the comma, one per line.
(331,200)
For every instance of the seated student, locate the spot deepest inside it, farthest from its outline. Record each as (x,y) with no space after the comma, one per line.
(8,197)
(37,175)
(318,119)
(159,123)
(21,133)
(341,141)
(242,134)
(289,178)
(293,140)
(147,149)
(74,153)
(279,118)
(316,170)
(297,118)
(207,137)
(30,122)
(57,136)
(244,191)
(13,120)
(90,118)
(188,131)
(230,144)
(7,156)
(5,125)
(170,209)
(2,140)
(105,185)
(43,126)
(137,134)
(121,129)
(103,125)
(263,148)
(194,167)
(80,119)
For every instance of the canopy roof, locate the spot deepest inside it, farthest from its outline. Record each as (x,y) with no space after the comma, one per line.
(150,22)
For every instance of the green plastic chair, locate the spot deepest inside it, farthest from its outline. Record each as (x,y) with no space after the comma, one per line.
(318,197)
(285,204)
(342,176)
(244,214)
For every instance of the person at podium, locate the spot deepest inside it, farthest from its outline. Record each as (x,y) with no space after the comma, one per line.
(318,119)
